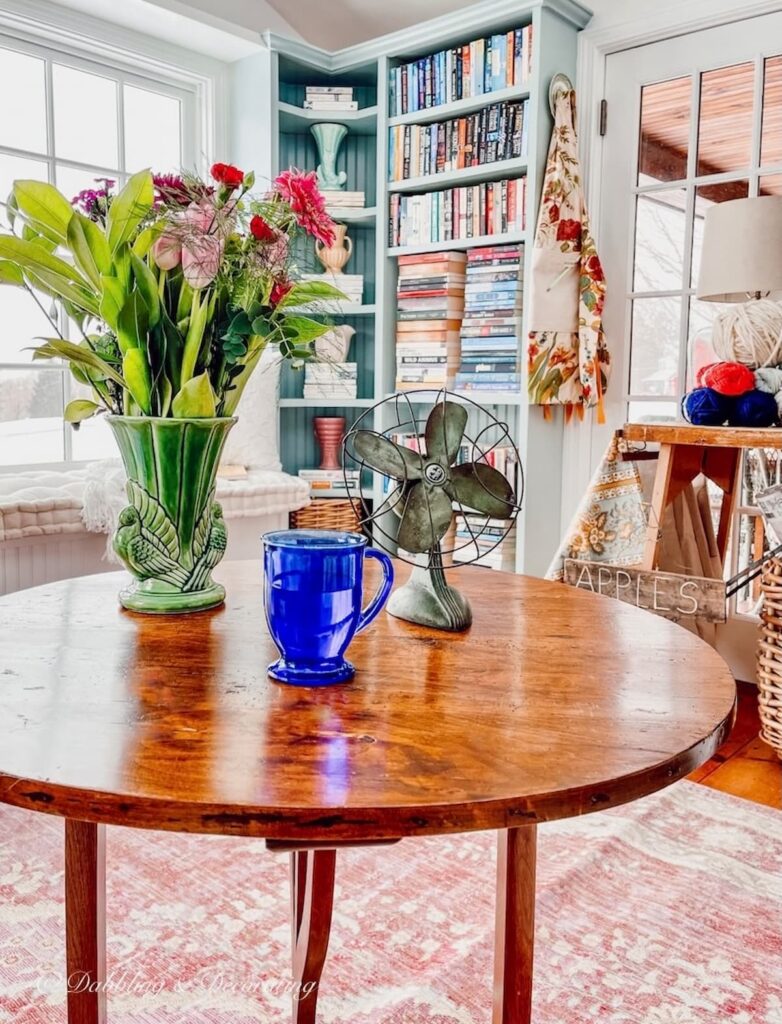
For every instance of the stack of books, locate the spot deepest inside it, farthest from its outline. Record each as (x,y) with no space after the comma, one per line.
(331,483)
(492,320)
(481,66)
(330,380)
(498,132)
(430,303)
(472,211)
(351,285)
(337,200)
(483,541)
(331,98)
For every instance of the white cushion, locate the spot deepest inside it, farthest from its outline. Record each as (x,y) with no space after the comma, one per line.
(254,441)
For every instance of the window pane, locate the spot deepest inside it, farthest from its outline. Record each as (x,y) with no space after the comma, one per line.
(699,347)
(152,130)
(653,412)
(659,240)
(31,427)
(725,127)
(706,196)
(654,358)
(22,322)
(23,110)
(665,131)
(93,439)
(771,141)
(72,180)
(770,185)
(85,117)
(13,167)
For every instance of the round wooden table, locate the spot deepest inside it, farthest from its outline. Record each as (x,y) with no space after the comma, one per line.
(555,703)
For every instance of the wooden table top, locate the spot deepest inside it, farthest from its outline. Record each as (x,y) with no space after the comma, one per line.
(555,703)
(704,437)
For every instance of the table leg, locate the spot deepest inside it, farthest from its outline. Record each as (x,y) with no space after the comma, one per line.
(312,899)
(85,921)
(515,925)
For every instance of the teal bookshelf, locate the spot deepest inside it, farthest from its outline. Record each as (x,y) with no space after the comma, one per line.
(287,68)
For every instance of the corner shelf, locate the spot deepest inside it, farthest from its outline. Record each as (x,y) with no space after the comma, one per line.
(508,238)
(353,214)
(463,176)
(335,309)
(481,397)
(457,108)
(297,119)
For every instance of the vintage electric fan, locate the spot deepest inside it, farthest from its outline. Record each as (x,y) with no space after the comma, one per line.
(427,484)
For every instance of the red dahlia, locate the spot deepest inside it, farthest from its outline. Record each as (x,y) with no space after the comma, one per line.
(300,191)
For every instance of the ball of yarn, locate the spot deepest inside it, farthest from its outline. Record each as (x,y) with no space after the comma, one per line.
(769,378)
(750,333)
(706,407)
(754,409)
(728,378)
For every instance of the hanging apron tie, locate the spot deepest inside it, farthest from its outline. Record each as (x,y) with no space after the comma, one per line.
(567,357)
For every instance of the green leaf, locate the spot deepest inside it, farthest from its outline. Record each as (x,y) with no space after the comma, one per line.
(136,374)
(145,239)
(146,283)
(80,409)
(31,256)
(129,209)
(306,292)
(81,355)
(195,398)
(112,301)
(302,329)
(261,326)
(56,286)
(46,209)
(133,323)
(89,247)
(11,274)
(195,335)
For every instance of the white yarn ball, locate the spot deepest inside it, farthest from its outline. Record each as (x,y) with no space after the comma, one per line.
(750,334)
(769,379)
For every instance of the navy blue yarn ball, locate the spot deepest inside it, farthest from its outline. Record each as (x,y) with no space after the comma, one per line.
(754,409)
(706,407)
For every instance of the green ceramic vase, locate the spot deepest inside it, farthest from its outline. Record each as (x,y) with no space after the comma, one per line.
(172,533)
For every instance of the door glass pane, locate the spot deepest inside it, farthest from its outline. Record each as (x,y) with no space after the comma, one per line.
(152,130)
(654,361)
(665,131)
(706,196)
(653,412)
(72,180)
(659,240)
(725,126)
(30,417)
(22,322)
(13,167)
(85,117)
(770,185)
(23,109)
(771,139)
(699,349)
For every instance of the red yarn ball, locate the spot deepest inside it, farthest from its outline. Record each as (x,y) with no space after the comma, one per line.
(727,378)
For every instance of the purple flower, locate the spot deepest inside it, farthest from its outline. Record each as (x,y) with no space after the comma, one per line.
(93,202)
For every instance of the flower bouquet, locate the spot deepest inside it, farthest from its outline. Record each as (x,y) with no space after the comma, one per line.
(174,286)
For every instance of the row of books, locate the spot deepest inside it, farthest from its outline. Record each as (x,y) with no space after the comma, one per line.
(331,483)
(331,98)
(329,380)
(481,66)
(351,286)
(430,302)
(448,215)
(491,324)
(337,200)
(487,542)
(498,132)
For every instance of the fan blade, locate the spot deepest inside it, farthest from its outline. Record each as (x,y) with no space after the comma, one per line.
(386,457)
(476,485)
(445,430)
(425,518)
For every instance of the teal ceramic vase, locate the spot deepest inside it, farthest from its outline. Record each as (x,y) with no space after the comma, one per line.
(172,533)
(328,138)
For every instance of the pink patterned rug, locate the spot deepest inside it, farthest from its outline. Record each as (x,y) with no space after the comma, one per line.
(667,911)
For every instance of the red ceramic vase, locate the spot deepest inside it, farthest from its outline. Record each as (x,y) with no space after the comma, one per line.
(329,431)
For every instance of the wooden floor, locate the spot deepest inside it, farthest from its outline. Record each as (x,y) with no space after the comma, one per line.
(745,766)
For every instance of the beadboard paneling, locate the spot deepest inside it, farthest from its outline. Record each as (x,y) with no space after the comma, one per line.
(357,157)
(362,351)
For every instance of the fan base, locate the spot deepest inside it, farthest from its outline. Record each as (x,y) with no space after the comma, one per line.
(427,600)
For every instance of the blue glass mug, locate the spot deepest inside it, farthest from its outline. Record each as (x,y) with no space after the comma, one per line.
(313,593)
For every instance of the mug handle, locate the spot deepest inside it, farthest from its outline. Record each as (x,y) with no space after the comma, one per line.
(380,598)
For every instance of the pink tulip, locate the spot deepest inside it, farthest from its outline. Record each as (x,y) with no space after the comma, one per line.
(167,252)
(201,260)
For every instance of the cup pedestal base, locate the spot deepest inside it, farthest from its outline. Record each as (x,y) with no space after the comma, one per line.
(311,675)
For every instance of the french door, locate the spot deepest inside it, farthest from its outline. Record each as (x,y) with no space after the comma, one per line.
(691,121)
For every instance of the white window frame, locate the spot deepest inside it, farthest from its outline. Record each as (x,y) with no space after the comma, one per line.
(42,30)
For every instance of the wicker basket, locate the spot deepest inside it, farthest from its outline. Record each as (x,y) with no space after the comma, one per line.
(326,514)
(770,656)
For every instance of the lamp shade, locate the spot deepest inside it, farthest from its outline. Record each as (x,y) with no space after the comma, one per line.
(742,250)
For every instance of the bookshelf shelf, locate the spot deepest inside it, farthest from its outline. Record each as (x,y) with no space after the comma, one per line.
(297,119)
(464,176)
(336,309)
(460,107)
(457,243)
(288,68)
